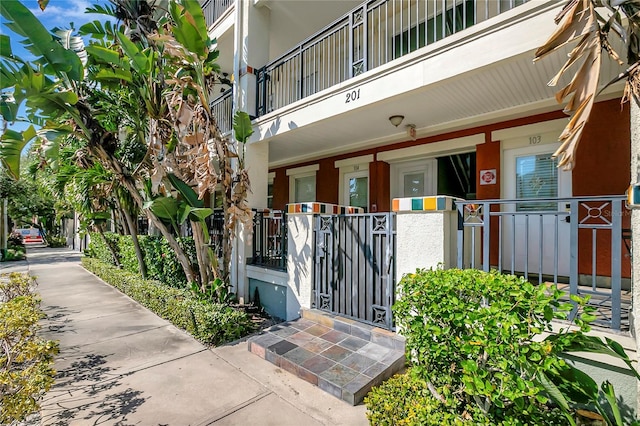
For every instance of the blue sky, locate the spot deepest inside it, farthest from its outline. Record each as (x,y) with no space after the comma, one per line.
(58,13)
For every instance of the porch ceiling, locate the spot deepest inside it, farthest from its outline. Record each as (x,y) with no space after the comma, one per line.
(506,90)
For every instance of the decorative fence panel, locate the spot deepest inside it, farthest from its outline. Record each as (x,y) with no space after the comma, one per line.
(354,270)
(577,244)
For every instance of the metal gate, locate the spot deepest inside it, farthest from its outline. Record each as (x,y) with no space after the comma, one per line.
(354,269)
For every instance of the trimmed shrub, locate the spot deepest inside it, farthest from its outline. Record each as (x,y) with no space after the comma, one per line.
(56,241)
(26,360)
(208,322)
(472,337)
(162,263)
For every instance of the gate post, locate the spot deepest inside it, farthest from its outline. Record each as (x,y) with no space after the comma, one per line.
(426,232)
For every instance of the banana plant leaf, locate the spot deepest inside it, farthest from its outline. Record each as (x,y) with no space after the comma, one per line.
(11,145)
(58,60)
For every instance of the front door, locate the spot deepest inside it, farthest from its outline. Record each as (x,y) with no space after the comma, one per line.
(356,189)
(535,234)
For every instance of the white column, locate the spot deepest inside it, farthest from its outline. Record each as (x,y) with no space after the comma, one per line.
(251,52)
(425,233)
(299,263)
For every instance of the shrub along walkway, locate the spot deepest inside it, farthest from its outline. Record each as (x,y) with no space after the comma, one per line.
(121,364)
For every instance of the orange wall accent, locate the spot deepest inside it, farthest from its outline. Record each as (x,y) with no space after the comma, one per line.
(379,186)
(488,157)
(602,167)
(280,189)
(603,157)
(327,181)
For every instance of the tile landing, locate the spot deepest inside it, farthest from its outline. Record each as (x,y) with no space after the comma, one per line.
(343,357)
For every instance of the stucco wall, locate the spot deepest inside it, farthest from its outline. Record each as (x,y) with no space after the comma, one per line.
(299,263)
(424,240)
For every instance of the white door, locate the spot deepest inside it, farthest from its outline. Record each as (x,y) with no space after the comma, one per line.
(356,189)
(533,236)
(414,178)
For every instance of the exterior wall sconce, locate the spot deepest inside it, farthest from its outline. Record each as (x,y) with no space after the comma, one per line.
(396,119)
(411,131)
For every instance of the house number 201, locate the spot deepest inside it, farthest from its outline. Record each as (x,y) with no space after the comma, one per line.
(352,96)
(535,140)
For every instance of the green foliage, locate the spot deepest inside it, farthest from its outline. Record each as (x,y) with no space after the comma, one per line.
(15,253)
(26,360)
(56,241)
(472,335)
(405,400)
(242,126)
(210,323)
(162,263)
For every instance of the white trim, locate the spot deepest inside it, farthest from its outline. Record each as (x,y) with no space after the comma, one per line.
(271,176)
(530,129)
(353,161)
(303,169)
(430,149)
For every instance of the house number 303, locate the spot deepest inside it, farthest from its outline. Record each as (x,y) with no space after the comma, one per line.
(535,140)
(352,96)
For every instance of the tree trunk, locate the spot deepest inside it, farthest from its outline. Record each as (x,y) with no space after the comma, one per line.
(127,182)
(116,261)
(635,229)
(202,253)
(133,232)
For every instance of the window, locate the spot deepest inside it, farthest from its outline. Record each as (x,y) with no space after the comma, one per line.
(536,177)
(302,184)
(272,176)
(305,189)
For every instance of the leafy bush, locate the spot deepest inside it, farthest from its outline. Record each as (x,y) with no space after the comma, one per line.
(471,336)
(56,241)
(15,253)
(26,360)
(162,263)
(208,322)
(405,400)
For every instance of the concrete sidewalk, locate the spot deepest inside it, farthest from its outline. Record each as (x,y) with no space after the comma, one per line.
(121,364)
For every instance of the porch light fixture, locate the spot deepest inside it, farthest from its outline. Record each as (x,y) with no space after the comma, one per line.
(396,119)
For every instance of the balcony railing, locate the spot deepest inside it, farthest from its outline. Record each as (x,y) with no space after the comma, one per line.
(371,35)
(580,245)
(222,110)
(270,240)
(214,9)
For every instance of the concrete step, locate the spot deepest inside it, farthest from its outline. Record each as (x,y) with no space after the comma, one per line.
(343,357)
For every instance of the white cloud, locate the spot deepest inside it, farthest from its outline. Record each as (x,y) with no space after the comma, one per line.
(59,13)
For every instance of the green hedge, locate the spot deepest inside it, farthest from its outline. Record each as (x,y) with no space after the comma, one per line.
(474,338)
(208,322)
(26,360)
(162,263)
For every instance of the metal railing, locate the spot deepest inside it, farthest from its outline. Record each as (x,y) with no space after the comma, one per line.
(354,266)
(369,36)
(577,244)
(214,9)
(270,240)
(222,110)
(215,226)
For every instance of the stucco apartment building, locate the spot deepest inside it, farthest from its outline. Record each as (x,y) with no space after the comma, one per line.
(406,111)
